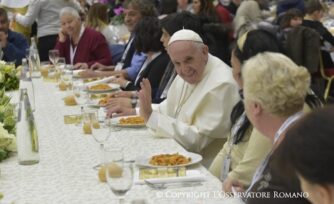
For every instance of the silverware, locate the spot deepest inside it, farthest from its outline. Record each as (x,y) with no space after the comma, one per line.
(160,186)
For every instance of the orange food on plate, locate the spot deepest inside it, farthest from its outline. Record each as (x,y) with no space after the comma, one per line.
(169,159)
(105,100)
(100,87)
(134,120)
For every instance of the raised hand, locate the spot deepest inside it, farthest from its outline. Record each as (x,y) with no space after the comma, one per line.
(62,36)
(145,99)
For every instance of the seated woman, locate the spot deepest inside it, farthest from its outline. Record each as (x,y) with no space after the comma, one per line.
(314,168)
(147,40)
(98,19)
(274,90)
(80,46)
(246,147)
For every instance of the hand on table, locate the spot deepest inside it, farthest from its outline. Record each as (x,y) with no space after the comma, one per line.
(89,74)
(80,65)
(121,102)
(101,67)
(120,80)
(120,111)
(124,94)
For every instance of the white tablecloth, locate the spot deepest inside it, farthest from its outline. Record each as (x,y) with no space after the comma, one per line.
(64,173)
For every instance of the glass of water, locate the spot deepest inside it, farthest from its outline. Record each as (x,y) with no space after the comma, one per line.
(119,173)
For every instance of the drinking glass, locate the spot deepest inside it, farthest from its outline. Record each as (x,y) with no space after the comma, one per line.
(61,64)
(119,174)
(66,78)
(101,133)
(53,56)
(79,92)
(88,117)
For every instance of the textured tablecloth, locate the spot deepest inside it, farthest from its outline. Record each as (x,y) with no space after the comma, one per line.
(64,173)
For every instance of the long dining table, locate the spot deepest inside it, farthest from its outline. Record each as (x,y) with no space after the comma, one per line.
(64,173)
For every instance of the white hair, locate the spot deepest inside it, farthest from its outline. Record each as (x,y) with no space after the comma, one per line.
(276,82)
(69,11)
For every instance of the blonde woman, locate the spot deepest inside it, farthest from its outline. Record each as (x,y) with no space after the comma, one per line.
(246,147)
(97,19)
(274,90)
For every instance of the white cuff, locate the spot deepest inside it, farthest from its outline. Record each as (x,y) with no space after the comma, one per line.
(137,110)
(153,120)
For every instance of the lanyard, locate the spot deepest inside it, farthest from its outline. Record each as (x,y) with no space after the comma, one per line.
(278,134)
(125,53)
(227,159)
(120,64)
(74,50)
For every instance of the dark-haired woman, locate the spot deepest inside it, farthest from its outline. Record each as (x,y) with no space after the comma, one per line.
(205,9)
(246,147)
(147,40)
(314,168)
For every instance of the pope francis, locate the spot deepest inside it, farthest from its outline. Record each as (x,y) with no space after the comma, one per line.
(197,110)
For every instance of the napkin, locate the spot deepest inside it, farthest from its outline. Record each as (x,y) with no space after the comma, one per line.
(104,80)
(191,175)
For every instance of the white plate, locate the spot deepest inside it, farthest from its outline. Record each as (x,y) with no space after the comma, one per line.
(195,158)
(113,87)
(115,122)
(95,103)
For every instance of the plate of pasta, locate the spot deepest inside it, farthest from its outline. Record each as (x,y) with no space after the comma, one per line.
(129,121)
(103,88)
(172,159)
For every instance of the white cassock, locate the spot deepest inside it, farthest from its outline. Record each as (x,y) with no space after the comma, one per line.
(196,115)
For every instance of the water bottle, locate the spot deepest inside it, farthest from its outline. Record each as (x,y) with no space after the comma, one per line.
(34,61)
(26,82)
(27,137)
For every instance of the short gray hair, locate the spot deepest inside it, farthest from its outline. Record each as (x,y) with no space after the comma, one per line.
(69,11)
(276,82)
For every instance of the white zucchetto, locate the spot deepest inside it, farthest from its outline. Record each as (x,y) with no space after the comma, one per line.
(185,35)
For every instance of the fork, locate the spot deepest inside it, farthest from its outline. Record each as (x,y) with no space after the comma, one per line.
(161,186)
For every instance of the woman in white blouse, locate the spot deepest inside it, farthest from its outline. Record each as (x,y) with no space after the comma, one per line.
(97,18)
